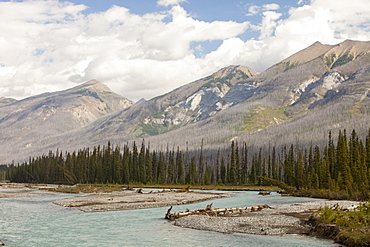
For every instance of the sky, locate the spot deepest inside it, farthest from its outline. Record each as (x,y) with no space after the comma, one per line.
(145,48)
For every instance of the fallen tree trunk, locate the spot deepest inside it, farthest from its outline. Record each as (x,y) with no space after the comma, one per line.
(213,211)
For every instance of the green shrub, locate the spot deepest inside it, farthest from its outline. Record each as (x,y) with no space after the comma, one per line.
(360,217)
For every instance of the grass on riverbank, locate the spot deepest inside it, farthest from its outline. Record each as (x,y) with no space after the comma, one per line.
(330,194)
(362,195)
(107,188)
(354,226)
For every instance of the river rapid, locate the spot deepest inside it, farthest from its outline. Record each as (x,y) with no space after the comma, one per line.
(36,221)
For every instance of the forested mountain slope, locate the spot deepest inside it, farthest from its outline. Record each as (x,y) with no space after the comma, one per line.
(321,88)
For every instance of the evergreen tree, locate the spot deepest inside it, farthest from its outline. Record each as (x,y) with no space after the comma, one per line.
(155,167)
(274,165)
(253,171)
(299,180)
(232,167)
(331,161)
(318,168)
(344,173)
(244,171)
(126,174)
(161,169)
(367,153)
(207,176)
(148,166)
(223,174)
(238,169)
(180,168)
(289,167)
(170,168)
(142,165)
(355,161)
(200,165)
(193,172)
(134,166)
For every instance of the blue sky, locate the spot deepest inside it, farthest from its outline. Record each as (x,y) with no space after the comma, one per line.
(204,10)
(144,48)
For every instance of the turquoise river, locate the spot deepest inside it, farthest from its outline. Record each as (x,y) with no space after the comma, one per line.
(36,221)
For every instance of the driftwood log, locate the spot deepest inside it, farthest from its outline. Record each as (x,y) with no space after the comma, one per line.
(264,193)
(213,211)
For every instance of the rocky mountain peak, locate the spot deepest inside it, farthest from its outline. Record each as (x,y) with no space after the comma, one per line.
(313,51)
(6,101)
(345,52)
(93,85)
(224,72)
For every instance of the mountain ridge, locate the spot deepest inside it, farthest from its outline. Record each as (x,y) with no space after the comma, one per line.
(39,117)
(320,88)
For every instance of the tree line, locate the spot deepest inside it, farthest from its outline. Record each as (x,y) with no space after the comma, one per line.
(341,165)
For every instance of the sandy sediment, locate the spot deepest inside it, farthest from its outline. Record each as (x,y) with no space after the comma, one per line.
(14,194)
(124,200)
(13,190)
(277,220)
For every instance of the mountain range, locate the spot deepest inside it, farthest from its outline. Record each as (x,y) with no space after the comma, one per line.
(319,89)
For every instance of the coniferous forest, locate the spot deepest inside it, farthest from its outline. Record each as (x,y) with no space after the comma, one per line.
(341,168)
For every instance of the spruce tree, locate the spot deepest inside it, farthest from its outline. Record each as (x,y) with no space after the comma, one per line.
(299,180)
(289,167)
(148,166)
(207,176)
(170,167)
(161,169)
(238,169)
(344,175)
(223,174)
(233,173)
(180,168)
(142,165)
(125,174)
(193,172)
(244,171)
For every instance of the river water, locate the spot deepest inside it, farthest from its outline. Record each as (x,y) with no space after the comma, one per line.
(36,221)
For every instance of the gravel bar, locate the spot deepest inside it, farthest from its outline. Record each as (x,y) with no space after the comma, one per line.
(98,202)
(279,220)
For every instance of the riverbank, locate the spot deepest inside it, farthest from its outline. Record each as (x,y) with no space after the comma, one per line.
(277,220)
(126,200)
(282,219)
(111,199)
(13,190)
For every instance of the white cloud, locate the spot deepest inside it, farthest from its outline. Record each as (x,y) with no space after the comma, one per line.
(255,9)
(169,2)
(271,6)
(51,45)
(322,20)
(268,23)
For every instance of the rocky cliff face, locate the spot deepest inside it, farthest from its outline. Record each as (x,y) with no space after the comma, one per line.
(204,102)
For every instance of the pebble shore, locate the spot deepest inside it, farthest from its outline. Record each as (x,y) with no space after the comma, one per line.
(279,220)
(100,202)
